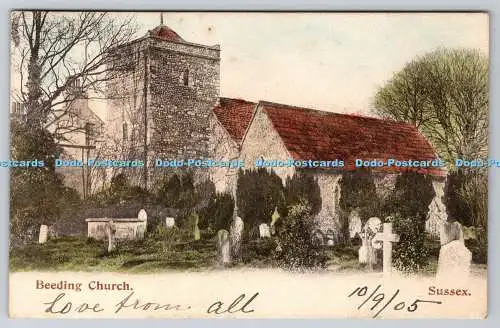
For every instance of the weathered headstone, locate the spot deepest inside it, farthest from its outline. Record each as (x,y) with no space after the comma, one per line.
(44,232)
(366,253)
(235,235)
(110,233)
(387,238)
(169,222)
(264,231)
(223,246)
(454,258)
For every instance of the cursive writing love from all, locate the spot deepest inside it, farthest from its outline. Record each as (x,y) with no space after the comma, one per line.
(62,304)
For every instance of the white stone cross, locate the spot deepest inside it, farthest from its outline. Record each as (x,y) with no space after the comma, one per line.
(387,238)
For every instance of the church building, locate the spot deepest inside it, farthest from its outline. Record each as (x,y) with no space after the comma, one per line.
(164,102)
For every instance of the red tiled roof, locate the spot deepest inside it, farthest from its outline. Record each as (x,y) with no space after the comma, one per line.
(235,115)
(165,33)
(318,135)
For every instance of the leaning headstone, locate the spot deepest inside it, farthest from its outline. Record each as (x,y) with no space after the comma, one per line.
(44,232)
(454,258)
(169,222)
(110,234)
(264,231)
(235,235)
(223,247)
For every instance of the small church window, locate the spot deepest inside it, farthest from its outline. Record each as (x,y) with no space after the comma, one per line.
(185,78)
(125,130)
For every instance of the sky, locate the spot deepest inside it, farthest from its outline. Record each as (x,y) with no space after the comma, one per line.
(328,61)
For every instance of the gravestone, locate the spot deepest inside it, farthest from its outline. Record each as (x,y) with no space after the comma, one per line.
(235,235)
(142,216)
(110,233)
(454,258)
(169,222)
(366,253)
(43,235)
(264,231)
(437,214)
(386,237)
(223,247)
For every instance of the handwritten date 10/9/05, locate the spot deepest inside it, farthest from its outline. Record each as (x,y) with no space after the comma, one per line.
(380,303)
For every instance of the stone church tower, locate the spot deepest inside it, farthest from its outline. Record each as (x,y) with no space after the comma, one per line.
(161,92)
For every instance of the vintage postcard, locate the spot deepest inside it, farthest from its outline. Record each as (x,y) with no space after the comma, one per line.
(248,165)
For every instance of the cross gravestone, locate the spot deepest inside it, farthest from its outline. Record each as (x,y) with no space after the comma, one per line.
(386,237)
(264,231)
(110,233)
(235,235)
(223,246)
(44,232)
(169,222)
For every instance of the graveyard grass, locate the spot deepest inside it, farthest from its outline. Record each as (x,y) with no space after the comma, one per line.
(150,256)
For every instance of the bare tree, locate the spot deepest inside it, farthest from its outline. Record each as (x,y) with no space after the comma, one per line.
(445,95)
(56,49)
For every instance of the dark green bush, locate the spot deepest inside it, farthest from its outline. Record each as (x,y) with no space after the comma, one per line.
(218,214)
(259,193)
(297,250)
(303,187)
(411,196)
(412,251)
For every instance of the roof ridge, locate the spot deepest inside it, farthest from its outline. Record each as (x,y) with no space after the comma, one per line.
(328,113)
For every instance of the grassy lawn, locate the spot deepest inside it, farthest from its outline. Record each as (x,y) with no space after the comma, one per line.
(82,254)
(150,256)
